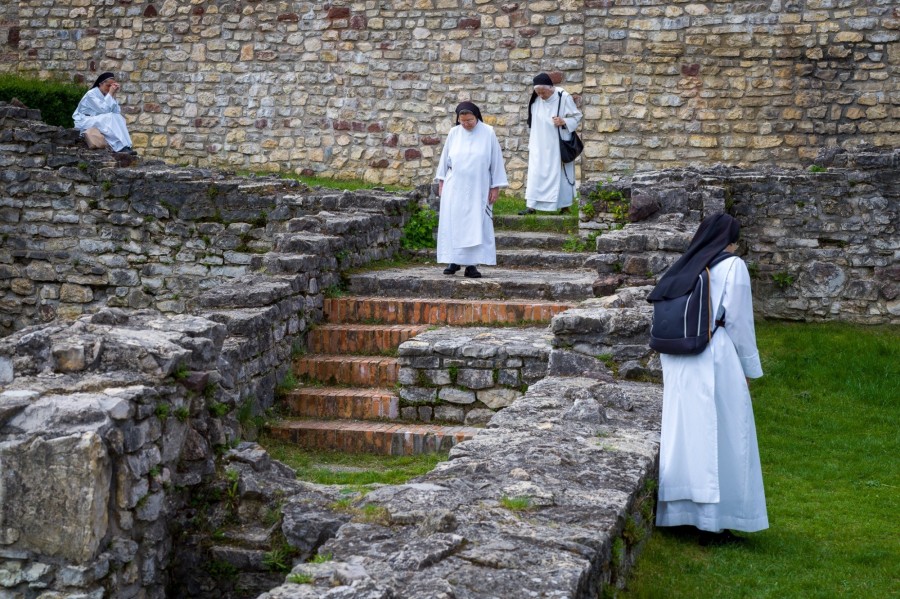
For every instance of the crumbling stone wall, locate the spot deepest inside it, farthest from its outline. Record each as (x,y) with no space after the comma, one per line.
(819,245)
(189,291)
(367,89)
(80,232)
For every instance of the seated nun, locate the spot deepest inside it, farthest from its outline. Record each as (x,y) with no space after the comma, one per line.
(99,109)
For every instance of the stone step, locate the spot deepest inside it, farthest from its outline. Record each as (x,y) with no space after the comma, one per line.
(341,402)
(529,239)
(530,258)
(497,283)
(307,242)
(360,338)
(276,263)
(535,223)
(439,311)
(370,437)
(364,371)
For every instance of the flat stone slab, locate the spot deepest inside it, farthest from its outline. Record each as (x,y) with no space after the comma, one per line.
(534,257)
(497,283)
(528,239)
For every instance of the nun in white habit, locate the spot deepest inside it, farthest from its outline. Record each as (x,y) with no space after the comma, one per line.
(99,109)
(470,175)
(552,114)
(709,467)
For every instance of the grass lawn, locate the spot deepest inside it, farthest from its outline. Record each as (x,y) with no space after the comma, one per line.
(336,468)
(828,421)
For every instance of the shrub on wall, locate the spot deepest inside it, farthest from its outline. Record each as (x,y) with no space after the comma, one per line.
(56,100)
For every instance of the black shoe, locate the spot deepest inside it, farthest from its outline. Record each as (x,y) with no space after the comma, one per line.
(711,539)
(452,268)
(527,211)
(128,150)
(472,272)
(564,210)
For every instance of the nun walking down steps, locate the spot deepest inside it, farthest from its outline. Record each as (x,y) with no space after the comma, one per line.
(470,175)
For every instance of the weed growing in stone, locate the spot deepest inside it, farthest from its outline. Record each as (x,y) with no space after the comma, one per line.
(418,233)
(218,409)
(278,559)
(162,411)
(286,385)
(300,578)
(782,279)
(576,243)
(815,168)
(516,504)
(181,372)
(322,558)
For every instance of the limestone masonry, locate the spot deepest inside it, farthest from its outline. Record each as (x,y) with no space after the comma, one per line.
(366,89)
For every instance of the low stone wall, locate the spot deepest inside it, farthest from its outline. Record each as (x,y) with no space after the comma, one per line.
(458,374)
(819,245)
(189,291)
(81,232)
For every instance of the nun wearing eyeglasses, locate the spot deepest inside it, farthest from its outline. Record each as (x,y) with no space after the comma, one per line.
(100,110)
(552,114)
(470,175)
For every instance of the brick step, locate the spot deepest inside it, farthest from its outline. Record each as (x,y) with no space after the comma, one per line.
(370,437)
(364,371)
(439,311)
(497,283)
(341,402)
(359,338)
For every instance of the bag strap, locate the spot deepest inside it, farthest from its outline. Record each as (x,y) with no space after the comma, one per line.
(558,132)
(720,313)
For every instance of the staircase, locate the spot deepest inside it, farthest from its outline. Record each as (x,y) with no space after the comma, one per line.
(348,399)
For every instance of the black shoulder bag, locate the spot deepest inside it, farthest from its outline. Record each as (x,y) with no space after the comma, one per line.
(569,149)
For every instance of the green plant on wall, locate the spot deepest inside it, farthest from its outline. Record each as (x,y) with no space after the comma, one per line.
(782,280)
(607,198)
(419,231)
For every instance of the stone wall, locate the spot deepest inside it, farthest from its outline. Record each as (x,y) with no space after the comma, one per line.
(461,375)
(190,291)
(80,232)
(366,89)
(819,245)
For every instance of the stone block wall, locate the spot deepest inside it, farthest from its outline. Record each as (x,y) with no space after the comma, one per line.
(363,89)
(466,374)
(819,245)
(148,314)
(80,232)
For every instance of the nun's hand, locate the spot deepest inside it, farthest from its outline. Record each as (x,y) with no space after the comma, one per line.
(559,121)
(493,194)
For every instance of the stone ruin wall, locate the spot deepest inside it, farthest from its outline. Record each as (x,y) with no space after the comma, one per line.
(366,89)
(820,246)
(152,313)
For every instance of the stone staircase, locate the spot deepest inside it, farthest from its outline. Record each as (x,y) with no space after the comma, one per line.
(348,397)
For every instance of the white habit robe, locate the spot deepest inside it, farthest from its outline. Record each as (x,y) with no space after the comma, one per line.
(709,470)
(547,188)
(471,165)
(102,112)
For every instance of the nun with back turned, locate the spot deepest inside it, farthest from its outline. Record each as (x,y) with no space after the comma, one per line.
(552,114)
(99,109)
(470,175)
(709,468)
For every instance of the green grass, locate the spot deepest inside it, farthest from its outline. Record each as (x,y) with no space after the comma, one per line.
(55,99)
(827,413)
(327,182)
(325,467)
